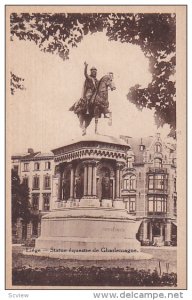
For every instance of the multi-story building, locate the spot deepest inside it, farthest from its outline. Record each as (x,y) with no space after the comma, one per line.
(149,189)
(147,186)
(35,169)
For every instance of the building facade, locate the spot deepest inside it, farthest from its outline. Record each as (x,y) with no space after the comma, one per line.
(35,170)
(138,175)
(149,189)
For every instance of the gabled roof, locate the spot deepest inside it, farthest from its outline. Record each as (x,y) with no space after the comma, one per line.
(18,155)
(30,155)
(38,156)
(135,144)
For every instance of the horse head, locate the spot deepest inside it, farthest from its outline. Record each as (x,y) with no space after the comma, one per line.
(109,81)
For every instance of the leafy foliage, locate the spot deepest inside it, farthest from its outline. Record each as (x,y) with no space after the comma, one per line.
(20,199)
(91,276)
(16,83)
(155,34)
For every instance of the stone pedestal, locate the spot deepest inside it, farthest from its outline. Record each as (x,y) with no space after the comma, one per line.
(95,228)
(99,232)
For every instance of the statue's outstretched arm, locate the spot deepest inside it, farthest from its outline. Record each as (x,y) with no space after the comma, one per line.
(85,71)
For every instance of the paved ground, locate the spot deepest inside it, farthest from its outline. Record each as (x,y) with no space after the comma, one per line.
(163,257)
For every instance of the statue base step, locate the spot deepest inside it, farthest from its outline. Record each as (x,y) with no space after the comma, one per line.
(107,203)
(89,202)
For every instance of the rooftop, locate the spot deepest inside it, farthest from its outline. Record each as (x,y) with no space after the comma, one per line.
(95,138)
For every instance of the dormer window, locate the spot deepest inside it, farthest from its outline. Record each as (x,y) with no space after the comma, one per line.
(158,148)
(142,147)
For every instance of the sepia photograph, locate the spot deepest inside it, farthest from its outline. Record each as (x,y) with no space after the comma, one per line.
(96,147)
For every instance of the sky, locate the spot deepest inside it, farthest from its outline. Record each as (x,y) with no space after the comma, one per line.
(39,116)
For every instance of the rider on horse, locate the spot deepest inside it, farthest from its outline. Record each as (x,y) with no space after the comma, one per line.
(94,101)
(89,90)
(91,83)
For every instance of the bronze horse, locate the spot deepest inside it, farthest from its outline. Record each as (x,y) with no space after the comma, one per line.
(97,106)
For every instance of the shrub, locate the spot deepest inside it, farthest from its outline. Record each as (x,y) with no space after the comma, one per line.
(91,276)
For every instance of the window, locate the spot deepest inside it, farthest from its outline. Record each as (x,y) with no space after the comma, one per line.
(174,161)
(126,184)
(47,182)
(47,165)
(175,204)
(16,169)
(133,182)
(158,163)
(46,202)
(175,185)
(150,203)
(129,182)
(129,162)
(25,181)
(26,167)
(36,182)
(157,204)
(36,166)
(150,182)
(35,228)
(132,204)
(158,182)
(158,148)
(35,201)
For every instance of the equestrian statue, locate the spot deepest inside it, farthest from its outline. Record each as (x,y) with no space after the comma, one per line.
(94,101)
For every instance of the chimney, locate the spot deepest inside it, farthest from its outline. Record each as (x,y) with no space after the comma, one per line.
(30,151)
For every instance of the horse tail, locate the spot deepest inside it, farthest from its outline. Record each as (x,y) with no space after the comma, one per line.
(72,108)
